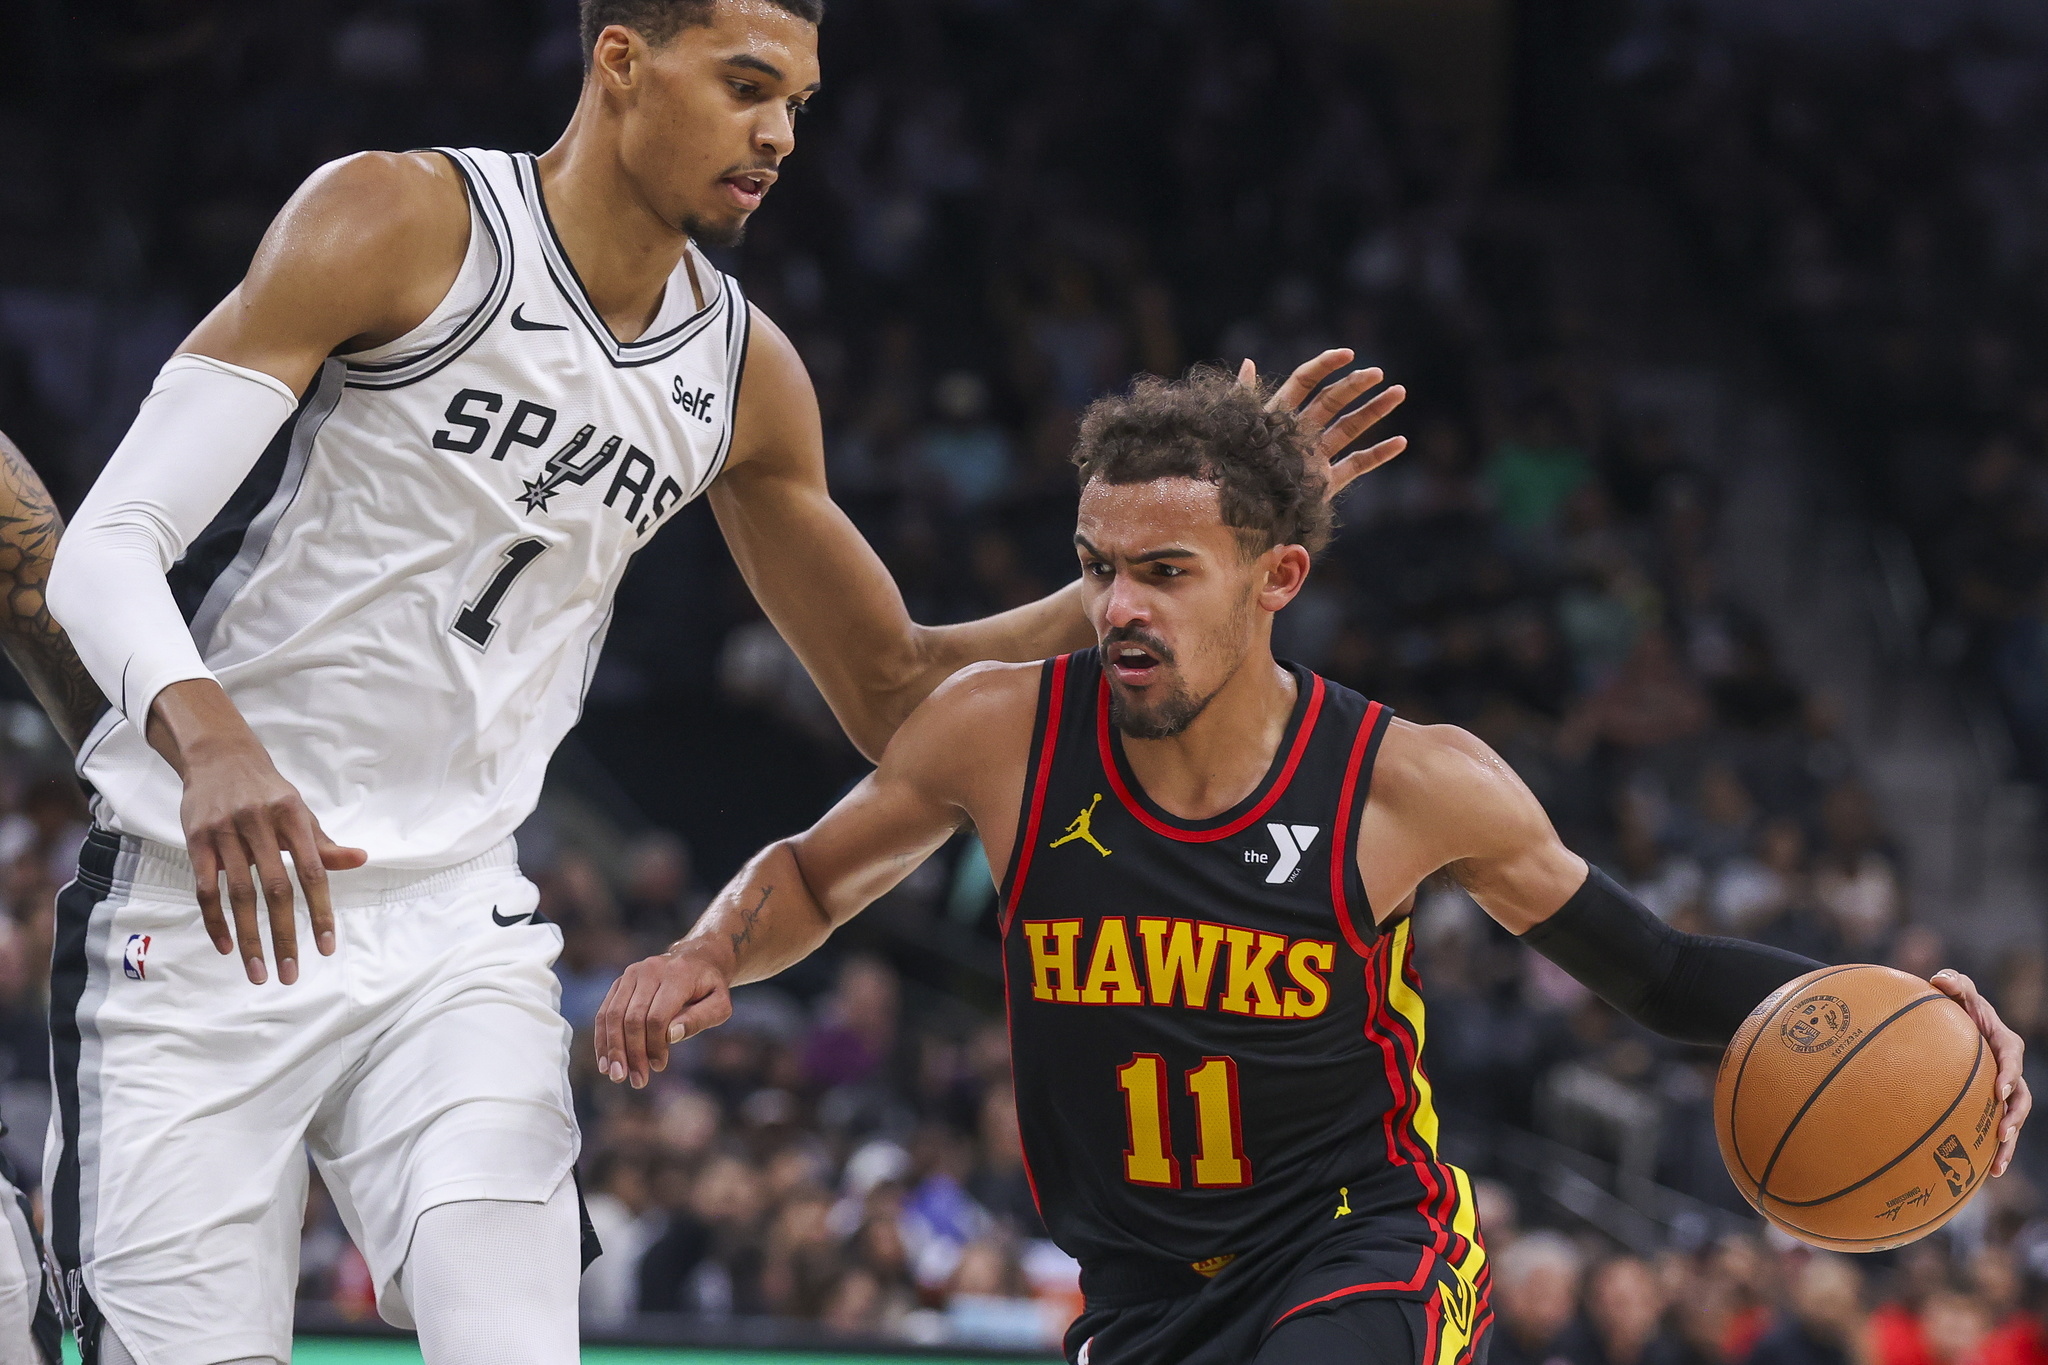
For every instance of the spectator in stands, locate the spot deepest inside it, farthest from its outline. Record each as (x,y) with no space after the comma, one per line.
(1624,1309)
(1536,1298)
(1826,1318)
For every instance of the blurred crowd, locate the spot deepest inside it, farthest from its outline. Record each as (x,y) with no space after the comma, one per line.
(1741,1300)
(1875,210)
(1001,211)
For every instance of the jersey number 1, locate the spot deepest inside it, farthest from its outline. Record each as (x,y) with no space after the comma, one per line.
(1219,1156)
(477,621)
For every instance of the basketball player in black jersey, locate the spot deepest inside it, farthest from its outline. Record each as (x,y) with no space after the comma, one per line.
(1210,858)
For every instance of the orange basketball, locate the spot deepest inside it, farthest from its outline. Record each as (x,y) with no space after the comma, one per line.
(1856,1110)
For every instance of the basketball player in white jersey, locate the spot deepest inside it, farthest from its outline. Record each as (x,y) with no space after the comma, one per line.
(35,645)
(344,583)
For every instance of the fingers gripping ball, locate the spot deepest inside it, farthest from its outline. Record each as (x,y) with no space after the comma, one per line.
(1856,1110)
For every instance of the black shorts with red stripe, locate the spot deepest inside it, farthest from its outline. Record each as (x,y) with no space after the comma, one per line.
(1362,1292)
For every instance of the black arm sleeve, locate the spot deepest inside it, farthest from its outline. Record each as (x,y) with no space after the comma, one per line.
(1687,987)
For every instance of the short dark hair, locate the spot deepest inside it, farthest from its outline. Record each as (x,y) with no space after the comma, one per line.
(660,20)
(1208,426)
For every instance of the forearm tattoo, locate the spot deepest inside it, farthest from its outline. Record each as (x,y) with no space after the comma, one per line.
(29,528)
(749,916)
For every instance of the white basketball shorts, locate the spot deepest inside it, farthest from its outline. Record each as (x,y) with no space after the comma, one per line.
(424,1062)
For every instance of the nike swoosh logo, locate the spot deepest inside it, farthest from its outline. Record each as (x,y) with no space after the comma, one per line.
(505,923)
(520,324)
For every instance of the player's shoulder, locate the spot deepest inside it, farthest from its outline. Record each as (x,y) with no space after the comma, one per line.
(1418,763)
(778,429)
(988,693)
(383,216)
(971,714)
(365,247)
(398,192)
(774,368)
(1451,791)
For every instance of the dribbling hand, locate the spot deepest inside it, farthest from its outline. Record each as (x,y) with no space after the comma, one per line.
(2008,1048)
(657,1002)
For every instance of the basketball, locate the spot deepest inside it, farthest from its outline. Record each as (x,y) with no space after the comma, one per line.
(1855,1108)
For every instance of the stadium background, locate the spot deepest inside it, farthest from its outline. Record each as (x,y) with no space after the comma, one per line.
(1726,521)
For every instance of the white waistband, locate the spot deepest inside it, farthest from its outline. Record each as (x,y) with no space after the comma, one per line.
(144,863)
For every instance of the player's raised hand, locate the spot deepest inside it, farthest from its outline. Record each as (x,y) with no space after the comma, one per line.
(1327,411)
(2010,1050)
(655,1002)
(239,814)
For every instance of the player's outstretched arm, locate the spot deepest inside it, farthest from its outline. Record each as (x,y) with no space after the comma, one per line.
(1444,793)
(960,757)
(361,254)
(823,585)
(35,643)
(827,590)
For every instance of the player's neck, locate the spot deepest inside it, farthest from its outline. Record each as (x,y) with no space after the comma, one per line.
(623,251)
(1221,758)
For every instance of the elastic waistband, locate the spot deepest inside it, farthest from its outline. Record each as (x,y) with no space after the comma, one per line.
(110,860)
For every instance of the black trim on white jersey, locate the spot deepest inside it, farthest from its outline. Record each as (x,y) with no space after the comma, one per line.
(623,355)
(219,561)
(735,371)
(396,374)
(70,974)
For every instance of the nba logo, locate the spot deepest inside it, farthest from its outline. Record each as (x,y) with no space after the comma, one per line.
(132,957)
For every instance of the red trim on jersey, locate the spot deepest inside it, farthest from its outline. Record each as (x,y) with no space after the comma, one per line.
(1044,775)
(1479,1331)
(1340,844)
(1441,1191)
(1242,822)
(1448,1204)
(1442,1186)
(1403,1148)
(1407,1286)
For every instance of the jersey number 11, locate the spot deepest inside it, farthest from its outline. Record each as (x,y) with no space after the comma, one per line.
(1220,1161)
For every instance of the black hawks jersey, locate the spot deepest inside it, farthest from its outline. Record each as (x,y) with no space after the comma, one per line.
(1216,1051)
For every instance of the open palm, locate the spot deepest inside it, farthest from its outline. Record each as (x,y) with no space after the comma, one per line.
(1326,412)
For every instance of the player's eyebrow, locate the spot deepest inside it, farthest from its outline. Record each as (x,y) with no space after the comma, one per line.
(1144,557)
(750,62)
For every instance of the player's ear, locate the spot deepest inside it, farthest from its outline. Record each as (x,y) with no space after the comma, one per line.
(614,56)
(1282,570)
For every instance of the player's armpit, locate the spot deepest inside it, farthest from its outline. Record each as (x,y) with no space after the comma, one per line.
(361,254)
(35,643)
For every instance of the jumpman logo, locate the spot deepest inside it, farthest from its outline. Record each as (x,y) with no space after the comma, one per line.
(1343,1201)
(1079,829)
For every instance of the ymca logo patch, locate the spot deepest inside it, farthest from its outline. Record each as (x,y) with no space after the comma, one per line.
(134,957)
(1290,842)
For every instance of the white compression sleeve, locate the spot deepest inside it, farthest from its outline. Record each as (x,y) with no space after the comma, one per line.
(492,1282)
(199,433)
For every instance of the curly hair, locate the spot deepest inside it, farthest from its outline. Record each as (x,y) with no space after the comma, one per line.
(658,21)
(1210,427)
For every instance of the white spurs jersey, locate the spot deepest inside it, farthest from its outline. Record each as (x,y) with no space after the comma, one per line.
(407,596)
